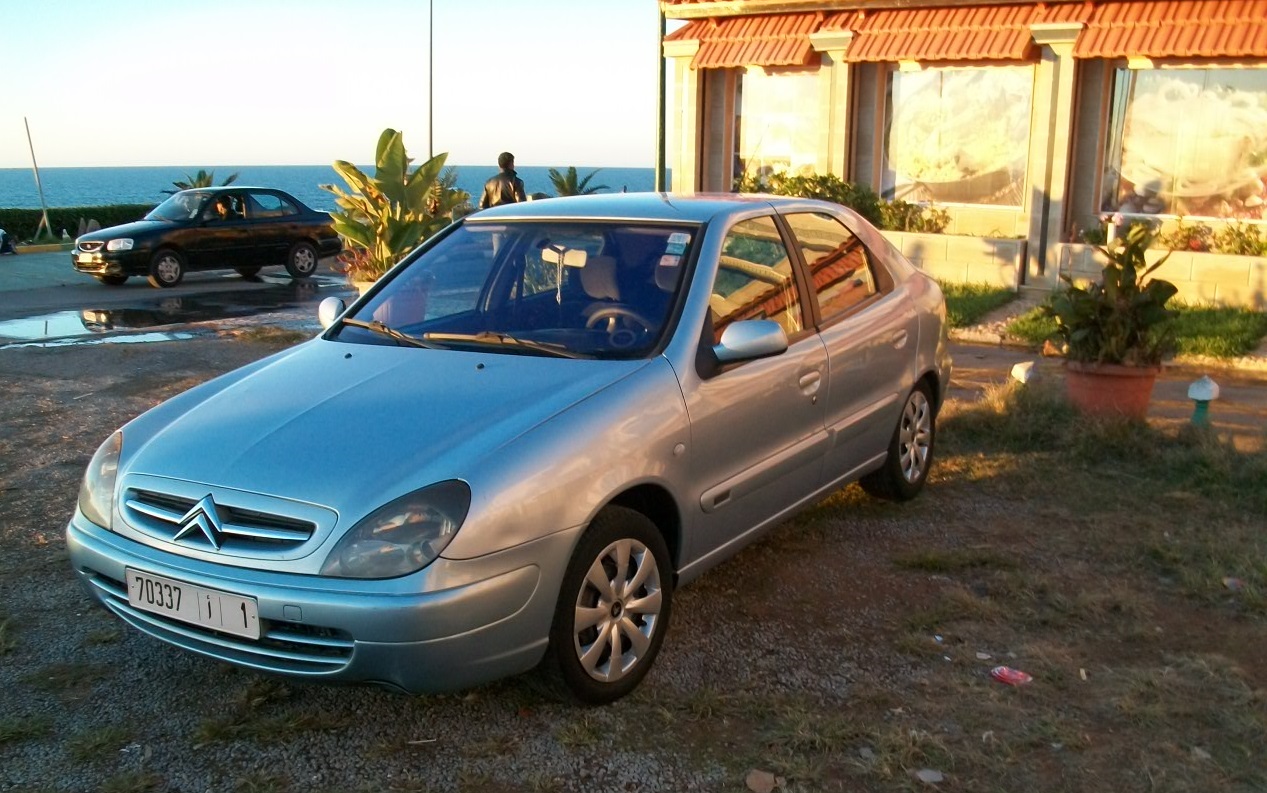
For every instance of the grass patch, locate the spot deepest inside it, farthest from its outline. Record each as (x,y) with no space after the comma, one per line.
(132,782)
(1218,331)
(1213,331)
(253,715)
(70,680)
(14,729)
(92,745)
(7,640)
(966,304)
(931,560)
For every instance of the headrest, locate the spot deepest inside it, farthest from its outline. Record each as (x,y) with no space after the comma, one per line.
(598,278)
(667,276)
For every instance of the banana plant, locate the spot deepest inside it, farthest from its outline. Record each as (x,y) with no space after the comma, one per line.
(384,216)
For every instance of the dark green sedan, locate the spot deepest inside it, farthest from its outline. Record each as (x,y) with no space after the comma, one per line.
(212,228)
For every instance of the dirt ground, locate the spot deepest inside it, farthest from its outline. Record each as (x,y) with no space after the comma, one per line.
(850,650)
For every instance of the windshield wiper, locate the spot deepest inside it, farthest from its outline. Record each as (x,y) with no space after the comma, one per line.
(503,340)
(375,326)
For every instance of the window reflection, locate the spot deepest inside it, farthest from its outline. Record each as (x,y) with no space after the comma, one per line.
(754,279)
(839,265)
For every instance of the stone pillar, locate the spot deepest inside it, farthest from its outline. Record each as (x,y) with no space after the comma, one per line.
(684,146)
(1047,179)
(834,99)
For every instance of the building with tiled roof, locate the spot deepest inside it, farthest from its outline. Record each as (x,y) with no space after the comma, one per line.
(1022,119)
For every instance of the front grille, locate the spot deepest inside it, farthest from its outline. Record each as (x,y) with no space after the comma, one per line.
(290,647)
(88,246)
(237,529)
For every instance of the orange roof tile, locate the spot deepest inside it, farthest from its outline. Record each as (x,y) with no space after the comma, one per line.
(1171,29)
(984,32)
(1191,29)
(755,40)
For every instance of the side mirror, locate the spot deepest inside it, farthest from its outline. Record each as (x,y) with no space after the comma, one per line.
(329,311)
(749,339)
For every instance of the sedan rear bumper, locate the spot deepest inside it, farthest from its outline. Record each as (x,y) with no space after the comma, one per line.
(431,641)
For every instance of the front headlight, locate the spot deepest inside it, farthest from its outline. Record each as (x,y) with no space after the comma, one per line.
(96,494)
(403,536)
(119,245)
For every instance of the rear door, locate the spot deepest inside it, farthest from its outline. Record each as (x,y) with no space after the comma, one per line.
(272,226)
(871,332)
(757,427)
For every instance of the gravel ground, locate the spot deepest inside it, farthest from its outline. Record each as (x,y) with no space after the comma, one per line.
(89,704)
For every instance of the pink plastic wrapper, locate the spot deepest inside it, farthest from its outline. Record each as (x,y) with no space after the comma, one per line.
(1013,677)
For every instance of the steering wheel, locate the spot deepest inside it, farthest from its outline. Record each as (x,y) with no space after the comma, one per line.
(618,311)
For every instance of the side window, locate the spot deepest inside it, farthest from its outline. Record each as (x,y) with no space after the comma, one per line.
(754,279)
(267,205)
(841,272)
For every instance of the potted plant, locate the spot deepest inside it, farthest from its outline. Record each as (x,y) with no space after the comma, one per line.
(386,215)
(1115,331)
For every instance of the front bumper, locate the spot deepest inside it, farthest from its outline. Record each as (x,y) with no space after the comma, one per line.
(492,620)
(133,262)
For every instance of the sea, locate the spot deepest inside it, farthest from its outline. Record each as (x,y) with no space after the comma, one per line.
(103,186)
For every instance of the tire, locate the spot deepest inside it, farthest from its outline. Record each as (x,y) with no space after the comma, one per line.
(167,268)
(247,272)
(112,280)
(302,260)
(580,658)
(910,454)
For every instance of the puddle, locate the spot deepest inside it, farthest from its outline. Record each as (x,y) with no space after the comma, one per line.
(69,327)
(130,338)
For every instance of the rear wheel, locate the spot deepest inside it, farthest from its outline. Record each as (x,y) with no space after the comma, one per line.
(301,262)
(247,272)
(167,268)
(910,451)
(112,280)
(613,608)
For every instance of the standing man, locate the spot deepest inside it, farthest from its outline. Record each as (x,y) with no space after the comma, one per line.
(505,187)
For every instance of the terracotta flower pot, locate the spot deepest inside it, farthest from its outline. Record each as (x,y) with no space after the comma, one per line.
(1110,389)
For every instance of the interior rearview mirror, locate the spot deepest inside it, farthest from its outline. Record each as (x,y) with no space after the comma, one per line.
(568,257)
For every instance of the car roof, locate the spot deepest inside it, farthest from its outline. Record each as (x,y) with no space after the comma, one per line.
(693,208)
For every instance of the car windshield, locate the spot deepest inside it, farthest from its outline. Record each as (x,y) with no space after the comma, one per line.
(181,206)
(555,288)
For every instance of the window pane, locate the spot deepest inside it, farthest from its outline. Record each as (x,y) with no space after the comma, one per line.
(840,268)
(754,279)
(1191,142)
(779,121)
(959,136)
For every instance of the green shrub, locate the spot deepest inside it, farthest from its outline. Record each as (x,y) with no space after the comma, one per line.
(22,223)
(825,186)
(899,215)
(1240,239)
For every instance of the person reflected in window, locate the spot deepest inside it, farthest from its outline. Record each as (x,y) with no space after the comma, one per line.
(504,188)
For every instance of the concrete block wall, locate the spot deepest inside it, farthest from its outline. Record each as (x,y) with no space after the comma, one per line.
(959,259)
(1202,278)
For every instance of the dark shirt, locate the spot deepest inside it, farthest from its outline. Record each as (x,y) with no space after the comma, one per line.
(504,188)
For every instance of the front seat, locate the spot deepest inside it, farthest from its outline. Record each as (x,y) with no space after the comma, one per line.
(598,280)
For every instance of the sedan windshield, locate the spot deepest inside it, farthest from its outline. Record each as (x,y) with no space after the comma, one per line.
(552,288)
(181,206)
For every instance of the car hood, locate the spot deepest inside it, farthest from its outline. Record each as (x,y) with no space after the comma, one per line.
(135,228)
(350,426)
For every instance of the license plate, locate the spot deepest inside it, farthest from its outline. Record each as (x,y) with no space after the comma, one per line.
(209,608)
(85,258)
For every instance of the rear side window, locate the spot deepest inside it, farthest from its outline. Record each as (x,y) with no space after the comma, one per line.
(267,205)
(754,279)
(841,269)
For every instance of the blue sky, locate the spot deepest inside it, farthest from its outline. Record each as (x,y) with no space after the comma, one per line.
(258,82)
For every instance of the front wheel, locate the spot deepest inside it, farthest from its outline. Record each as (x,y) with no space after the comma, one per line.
(167,268)
(113,280)
(910,454)
(301,262)
(613,608)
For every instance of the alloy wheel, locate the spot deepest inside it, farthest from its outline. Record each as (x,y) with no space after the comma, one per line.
(617,610)
(916,434)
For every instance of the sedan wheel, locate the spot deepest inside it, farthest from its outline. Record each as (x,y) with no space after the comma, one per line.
(613,610)
(167,268)
(302,260)
(910,451)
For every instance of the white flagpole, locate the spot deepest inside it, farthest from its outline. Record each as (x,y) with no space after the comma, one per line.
(44,224)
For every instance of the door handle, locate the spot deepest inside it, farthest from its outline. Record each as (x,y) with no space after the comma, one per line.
(810,381)
(898,339)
